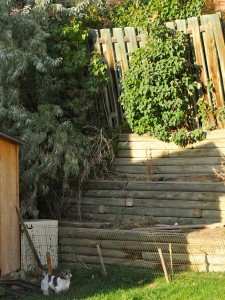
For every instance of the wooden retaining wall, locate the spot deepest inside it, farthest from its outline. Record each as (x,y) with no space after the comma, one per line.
(140,249)
(164,202)
(148,158)
(171,185)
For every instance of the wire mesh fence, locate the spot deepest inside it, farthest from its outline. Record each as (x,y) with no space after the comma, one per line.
(44,235)
(159,252)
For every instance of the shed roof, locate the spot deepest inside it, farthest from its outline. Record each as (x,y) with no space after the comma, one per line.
(12,139)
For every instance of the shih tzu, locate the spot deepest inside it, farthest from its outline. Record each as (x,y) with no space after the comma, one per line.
(57,284)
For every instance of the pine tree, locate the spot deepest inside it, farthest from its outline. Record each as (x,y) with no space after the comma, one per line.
(38,102)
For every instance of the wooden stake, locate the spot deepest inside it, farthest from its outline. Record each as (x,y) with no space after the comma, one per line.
(101,261)
(49,262)
(171,259)
(34,251)
(163,265)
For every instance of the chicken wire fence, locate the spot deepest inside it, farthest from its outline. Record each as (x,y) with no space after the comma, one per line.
(44,236)
(159,252)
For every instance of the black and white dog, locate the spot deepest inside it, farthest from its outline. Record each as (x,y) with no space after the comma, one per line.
(57,284)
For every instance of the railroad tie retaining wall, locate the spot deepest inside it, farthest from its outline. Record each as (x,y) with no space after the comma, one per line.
(141,156)
(202,252)
(165,202)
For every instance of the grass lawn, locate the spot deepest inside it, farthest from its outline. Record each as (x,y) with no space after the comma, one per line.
(131,284)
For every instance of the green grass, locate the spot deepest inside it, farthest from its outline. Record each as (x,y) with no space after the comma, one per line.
(130,284)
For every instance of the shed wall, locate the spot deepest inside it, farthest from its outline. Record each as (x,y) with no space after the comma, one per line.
(9,198)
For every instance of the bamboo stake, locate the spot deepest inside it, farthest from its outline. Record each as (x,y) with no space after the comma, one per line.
(171,260)
(163,265)
(101,260)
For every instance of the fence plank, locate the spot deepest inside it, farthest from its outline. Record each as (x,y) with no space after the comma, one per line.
(181,26)
(220,45)
(143,38)
(120,49)
(108,54)
(131,34)
(212,60)
(199,62)
(170,25)
(94,35)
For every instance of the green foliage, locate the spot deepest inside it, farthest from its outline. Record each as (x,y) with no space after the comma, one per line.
(142,13)
(45,100)
(157,87)
(98,74)
(183,137)
(159,84)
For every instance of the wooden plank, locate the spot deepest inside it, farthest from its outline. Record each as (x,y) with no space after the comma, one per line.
(181,25)
(220,45)
(156,169)
(149,146)
(124,137)
(170,25)
(130,235)
(120,50)
(200,63)
(212,60)
(94,35)
(104,201)
(143,38)
(167,161)
(9,198)
(110,261)
(187,258)
(105,185)
(131,34)
(209,152)
(67,249)
(86,224)
(213,214)
(177,186)
(154,212)
(108,54)
(163,220)
(156,203)
(163,194)
(216,134)
(132,246)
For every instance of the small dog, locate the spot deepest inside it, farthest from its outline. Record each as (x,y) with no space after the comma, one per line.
(57,284)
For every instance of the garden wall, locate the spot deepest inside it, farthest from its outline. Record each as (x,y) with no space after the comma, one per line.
(201,252)
(168,185)
(164,202)
(153,179)
(144,157)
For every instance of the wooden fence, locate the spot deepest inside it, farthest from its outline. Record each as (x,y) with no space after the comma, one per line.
(208,54)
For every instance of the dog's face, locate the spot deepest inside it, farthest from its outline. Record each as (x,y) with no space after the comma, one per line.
(65,274)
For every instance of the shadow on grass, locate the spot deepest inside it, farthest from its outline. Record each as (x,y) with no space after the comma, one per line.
(87,283)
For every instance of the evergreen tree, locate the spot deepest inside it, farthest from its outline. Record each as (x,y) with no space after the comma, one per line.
(44,101)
